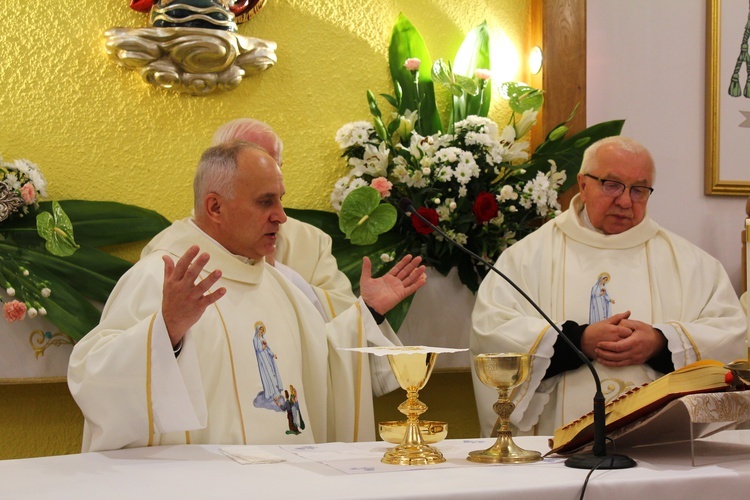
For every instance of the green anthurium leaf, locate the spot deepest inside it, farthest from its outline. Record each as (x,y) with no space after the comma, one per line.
(96,223)
(57,231)
(349,257)
(105,223)
(406,43)
(363,217)
(474,54)
(381,220)
(522,97)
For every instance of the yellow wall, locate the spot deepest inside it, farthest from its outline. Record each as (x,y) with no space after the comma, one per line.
(99,132)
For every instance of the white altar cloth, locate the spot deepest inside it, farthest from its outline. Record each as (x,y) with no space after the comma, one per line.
(203,471)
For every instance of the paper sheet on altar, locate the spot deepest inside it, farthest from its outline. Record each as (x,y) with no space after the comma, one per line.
(364,458)
(360,458)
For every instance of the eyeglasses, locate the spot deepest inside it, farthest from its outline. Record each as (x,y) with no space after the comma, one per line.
(616,188)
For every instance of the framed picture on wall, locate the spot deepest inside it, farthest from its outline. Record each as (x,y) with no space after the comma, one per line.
(727,169)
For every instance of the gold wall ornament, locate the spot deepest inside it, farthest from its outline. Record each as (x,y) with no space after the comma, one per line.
(40,341)
(195,61)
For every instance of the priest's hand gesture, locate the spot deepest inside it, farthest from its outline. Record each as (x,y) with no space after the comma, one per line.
(382,294)
(184,300)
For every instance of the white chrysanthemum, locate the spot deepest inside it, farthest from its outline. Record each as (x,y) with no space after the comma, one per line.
(337,195)
(480,139)
(477,123)
(354,134)
(22,171)
(462,191)
(444,173)
(11,180)
(466,169)
(540,194)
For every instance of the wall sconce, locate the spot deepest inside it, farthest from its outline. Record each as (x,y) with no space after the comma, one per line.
(535,60)
(175,54)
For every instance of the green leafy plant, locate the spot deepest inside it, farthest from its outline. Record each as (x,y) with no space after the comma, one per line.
(50,261)
(475,179)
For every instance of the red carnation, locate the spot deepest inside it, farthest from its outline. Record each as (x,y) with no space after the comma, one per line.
(421,226)
(485,207)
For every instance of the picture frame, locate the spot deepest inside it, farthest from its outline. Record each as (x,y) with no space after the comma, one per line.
(727,146)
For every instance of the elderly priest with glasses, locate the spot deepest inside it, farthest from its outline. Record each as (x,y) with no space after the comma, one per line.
(637,299)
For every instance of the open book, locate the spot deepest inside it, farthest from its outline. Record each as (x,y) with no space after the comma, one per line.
(698,377)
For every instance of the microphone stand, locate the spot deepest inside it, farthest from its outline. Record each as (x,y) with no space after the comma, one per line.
(598,458)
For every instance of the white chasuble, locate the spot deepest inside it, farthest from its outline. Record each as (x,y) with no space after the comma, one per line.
(594,288)
(259,367)
(574,273)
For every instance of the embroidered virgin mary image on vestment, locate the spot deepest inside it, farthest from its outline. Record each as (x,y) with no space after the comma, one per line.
(599,307)
(274,396)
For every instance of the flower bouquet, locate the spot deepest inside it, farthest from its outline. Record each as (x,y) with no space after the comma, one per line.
(471,177)
(44,270)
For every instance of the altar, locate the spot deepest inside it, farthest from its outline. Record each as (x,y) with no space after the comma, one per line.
(354,470)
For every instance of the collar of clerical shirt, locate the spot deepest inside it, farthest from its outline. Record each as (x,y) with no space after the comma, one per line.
(183,234)
(575,223)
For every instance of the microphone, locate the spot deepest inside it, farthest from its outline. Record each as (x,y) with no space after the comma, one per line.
(598,458)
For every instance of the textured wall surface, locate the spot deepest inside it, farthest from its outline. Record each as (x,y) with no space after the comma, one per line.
(98,132)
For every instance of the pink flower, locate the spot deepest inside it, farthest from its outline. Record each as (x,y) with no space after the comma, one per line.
(28,193)
(483,74)
(412,64)
(14,311)
(383,186)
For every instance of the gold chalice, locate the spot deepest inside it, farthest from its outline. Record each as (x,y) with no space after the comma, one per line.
(412,370)
(503,372)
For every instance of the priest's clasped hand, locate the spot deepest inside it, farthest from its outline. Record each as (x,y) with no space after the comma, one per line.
(621,341)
